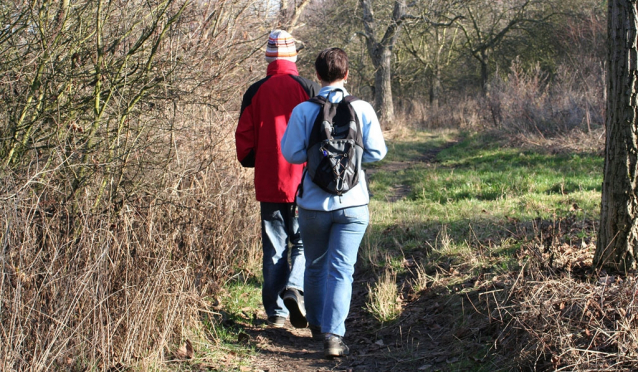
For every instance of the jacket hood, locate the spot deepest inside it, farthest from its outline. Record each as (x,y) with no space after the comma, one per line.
(281,66)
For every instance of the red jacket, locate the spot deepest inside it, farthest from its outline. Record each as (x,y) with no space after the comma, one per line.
(263,118)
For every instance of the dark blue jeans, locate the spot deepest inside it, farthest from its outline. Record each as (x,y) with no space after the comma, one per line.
(280,238)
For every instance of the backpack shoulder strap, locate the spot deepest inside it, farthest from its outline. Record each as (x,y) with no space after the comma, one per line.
(320,100)
(351,98)
(347,100)
(315,132)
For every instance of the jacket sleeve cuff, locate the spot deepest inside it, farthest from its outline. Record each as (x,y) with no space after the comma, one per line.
(249,160)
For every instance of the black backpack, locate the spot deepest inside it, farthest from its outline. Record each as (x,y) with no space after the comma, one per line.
(335,146)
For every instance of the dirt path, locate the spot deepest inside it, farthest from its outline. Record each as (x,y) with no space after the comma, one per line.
(413,343)
(419,341)
(401,347)
(428,158)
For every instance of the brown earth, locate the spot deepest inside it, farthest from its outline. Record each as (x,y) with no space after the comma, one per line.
(427,337)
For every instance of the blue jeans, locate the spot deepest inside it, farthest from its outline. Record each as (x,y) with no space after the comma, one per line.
(331,241)
(279,226)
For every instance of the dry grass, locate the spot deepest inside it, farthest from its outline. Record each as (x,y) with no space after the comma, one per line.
(83,288)
(384,303)
(558,313)
(576,325)
(465,112)
(419,279)
(563,114)
(115,228)
(575,141)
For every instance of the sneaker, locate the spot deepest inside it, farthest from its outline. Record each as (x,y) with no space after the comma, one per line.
(333,346)
(276,321)
(293,300)
(316,332)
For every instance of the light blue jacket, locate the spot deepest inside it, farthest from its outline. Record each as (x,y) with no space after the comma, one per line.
(294,145)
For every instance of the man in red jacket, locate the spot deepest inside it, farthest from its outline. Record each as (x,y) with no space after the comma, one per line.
(263,118)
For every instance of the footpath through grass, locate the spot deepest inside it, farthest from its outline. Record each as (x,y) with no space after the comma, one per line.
(473,193)
(451,217)
(456,226)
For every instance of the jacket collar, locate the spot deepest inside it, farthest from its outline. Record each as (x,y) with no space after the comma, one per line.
(281,66)
(336,96)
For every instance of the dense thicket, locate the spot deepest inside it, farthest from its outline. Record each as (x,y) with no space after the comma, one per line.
(120,200)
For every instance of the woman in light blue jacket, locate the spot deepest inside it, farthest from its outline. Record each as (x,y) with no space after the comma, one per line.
(332,226)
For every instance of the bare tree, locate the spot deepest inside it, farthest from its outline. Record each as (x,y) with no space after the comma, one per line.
(617,244)
(380,51)
(487,23)
(430,42)
(291,13)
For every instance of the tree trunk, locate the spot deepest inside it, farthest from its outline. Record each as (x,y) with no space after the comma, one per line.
(435,83)
(485,73)
(435,86)
(617,243)
(383,90)
(380,52)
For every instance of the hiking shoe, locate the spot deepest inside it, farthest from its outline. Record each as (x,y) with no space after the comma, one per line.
(276,321)
(293,300)
(333,346)
(316,332)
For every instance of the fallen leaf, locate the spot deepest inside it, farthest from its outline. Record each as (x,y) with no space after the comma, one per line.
(243,337)
(424,367)
(185,351)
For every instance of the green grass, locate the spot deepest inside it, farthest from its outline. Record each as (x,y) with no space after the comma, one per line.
(476,188)
(479,170)
(242,299)
(466,214)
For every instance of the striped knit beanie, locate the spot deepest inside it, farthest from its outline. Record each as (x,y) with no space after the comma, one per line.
(281,46)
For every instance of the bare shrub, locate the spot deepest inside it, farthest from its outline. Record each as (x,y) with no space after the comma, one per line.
(562,114)
(464,112)
(121,201)
(526,105)
(529,102)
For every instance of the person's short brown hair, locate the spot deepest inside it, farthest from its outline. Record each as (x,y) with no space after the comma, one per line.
(332,64)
